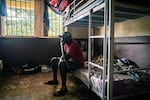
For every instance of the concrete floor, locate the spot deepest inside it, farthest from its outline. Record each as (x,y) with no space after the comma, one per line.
(32,87)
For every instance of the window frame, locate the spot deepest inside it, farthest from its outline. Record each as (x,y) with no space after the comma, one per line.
(41,35)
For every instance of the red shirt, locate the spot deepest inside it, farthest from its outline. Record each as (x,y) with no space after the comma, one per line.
(74,50)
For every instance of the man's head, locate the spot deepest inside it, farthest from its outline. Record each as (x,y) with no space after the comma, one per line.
(67,37)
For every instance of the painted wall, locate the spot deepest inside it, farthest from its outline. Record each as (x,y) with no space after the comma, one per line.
(137,49)
(17,51)
(134,36)
(137,27)
(79,32)
(137,33)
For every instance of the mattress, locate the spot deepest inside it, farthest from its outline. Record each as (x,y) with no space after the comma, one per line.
(123,84)
(83,75)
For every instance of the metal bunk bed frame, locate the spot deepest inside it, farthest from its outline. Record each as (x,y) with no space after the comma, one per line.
(108,7)
(110,59)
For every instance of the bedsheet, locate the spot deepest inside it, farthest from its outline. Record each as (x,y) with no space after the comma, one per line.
(123,84)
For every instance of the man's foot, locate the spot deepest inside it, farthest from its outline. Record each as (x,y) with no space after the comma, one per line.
(61,92)
(52,82)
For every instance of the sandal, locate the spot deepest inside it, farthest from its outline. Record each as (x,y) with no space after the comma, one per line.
(52,82)
(60,92)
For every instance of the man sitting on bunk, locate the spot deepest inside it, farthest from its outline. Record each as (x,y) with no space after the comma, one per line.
(71,59)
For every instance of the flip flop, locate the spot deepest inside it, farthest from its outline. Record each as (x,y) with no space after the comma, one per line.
(60,92)
(52,82)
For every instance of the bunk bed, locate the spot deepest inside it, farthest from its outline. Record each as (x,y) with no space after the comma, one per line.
(103,78)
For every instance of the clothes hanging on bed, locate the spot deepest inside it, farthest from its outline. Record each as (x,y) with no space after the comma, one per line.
(46,16)
(58,6)
(46,19)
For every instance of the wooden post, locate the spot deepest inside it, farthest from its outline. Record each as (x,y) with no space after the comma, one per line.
(38,25)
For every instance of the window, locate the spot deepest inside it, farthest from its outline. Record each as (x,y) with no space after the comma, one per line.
(55,28)
(20,18)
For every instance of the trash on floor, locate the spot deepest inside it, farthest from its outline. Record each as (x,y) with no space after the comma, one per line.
(45,68)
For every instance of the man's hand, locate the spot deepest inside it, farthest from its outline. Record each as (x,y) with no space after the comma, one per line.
(67,57)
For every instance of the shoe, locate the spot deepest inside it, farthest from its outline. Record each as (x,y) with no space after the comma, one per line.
(52,82)
(60,92)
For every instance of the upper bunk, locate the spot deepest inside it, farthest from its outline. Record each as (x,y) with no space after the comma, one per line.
(77,13)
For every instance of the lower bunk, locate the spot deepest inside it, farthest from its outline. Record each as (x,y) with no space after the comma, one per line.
(124,85)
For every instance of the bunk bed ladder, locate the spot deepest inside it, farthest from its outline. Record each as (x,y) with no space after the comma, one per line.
(105,48)
(90,49)
(108,55)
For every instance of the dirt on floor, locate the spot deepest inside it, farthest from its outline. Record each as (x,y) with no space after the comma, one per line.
(32,87)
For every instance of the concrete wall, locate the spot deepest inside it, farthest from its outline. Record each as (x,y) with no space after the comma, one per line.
(137,33)
(135,38)
(79,32)
(130,28)
(17,51)
(137,27)
(137,49)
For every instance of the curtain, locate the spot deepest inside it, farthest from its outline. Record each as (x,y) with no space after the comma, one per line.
(3,10)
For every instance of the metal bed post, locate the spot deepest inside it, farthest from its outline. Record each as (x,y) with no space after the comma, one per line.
(105,48)
(110,49)
(89,47)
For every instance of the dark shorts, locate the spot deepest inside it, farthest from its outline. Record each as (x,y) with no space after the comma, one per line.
(72,65)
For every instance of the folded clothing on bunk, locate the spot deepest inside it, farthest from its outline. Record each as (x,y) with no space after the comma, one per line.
(127,64)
